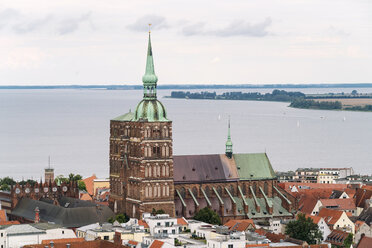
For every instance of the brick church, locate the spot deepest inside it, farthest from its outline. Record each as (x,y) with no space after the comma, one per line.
(145,175)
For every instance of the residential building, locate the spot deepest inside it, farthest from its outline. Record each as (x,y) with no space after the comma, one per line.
(346,205)
(162,224)
(236,240)
(15,236)
(337,220)
(306,175)
(323,227)
(337,238)
(361,228)
(240,225)
(365,242)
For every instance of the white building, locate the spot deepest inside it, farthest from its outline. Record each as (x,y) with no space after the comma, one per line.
(323,227)
(275,226)
(236,240)
(15,236)
(162,224)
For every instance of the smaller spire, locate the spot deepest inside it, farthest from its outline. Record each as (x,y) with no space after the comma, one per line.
(149,79)
(229,144)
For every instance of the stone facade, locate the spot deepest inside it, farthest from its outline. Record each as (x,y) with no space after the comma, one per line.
(141,167)
(48,190)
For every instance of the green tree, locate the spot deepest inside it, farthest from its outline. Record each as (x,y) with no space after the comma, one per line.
(348,241)
(121,218)
(304,229)
(208,215)
(159,211)
(81,185)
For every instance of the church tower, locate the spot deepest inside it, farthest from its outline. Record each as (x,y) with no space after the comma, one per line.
(141,162)
(229,144)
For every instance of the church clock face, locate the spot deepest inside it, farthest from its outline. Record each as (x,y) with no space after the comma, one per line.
(54,189)
(46,189)
(64,188)
(27,190)
(37,190)
(17,191)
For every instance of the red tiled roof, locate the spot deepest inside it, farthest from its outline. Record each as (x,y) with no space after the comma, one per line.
(256,245)
(275,238)
(239,225)
(337,237)
(2,215)
(342,204)
(330,216)
(362,195)
(10,222)
(143,223)
(315,219)
(85,197)
(308,199)
(260,231)
(365,242)
(182,221)
(58,241)
(286,186)
(132,242)
(89,184)
(358,224)
(156,244)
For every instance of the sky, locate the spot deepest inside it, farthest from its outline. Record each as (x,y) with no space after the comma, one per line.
(87,42)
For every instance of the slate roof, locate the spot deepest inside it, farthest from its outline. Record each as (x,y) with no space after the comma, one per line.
(366,216)
(217,167)
(78,213)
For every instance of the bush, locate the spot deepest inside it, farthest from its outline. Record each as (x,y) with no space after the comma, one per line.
(208,215)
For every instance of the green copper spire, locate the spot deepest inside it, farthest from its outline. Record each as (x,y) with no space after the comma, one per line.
(229,144)
(149,79)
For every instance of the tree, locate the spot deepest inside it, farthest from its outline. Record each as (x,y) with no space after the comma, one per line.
(208,215)
(304,229)
(348,241)
(159,211)
(81,185)
(121,218)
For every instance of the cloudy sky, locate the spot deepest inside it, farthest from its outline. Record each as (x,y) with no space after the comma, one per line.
(44,42)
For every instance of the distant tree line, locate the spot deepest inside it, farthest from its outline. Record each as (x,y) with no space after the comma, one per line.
(276,95)
(311,104)
(360,108)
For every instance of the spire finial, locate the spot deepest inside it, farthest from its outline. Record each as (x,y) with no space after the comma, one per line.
(149,79)
(149,27)
(229,144)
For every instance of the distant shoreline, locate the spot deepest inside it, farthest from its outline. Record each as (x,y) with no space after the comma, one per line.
(191,86)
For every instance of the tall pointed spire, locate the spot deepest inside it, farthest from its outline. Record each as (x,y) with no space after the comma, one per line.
(149,79)
(229,144)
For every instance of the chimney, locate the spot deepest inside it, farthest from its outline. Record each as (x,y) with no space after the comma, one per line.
(117,238)
(37,216)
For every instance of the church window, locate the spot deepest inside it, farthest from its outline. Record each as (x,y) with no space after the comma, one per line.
(165,132)
(158,170)
(163,151)
(149,170)
(164,193)
(183,192)
(232,192)
(156,132)
(167,170)
(150,190)
(207,191)
(156,151)
(219,190)
(163,171)
(166,189)
(266,190)
(195,191)
(167,151)
(146,171)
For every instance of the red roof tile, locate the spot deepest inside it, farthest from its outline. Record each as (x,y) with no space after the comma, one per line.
(275,238)
(315,219)
(260,231)
(239,225)
(57,241)
(182,221)
(358,224)
(89,184)
(342,204)
(365,242)
(256,245)
(330,216)
(10,222)
(143,223)
(132,242)
(2,215)
(156,244)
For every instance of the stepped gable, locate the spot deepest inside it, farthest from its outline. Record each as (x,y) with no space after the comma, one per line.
(70,213)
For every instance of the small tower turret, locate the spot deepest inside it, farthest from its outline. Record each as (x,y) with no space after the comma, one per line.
(229,145)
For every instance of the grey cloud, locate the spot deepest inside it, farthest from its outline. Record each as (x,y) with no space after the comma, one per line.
(25,27)
(235,28)
(157,22)
(7,15)
(71,25)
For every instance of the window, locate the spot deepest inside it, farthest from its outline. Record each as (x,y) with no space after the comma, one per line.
(167,223)
(173,231)
(158,224)
(63,232)
(230,246)
(105,237)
